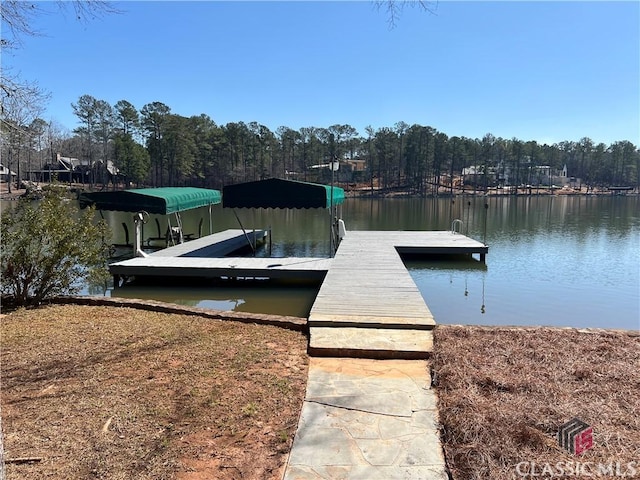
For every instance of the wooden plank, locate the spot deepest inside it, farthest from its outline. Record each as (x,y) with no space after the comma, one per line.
(368,285)
(214,245)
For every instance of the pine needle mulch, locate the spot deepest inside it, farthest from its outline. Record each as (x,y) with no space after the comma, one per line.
(122,393)
(503,394)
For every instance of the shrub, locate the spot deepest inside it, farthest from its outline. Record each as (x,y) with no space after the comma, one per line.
(49,248)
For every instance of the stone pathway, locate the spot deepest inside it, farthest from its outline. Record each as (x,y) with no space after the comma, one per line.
(369,412)
(367,419)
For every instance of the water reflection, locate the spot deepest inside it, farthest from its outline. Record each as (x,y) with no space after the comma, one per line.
(255,297)
(461,279)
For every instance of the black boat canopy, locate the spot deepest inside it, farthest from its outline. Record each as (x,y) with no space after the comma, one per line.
(278,193)
(161,201)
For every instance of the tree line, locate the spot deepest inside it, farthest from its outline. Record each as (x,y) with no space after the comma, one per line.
(153,146)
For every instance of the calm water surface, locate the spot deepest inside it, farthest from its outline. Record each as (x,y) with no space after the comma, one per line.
(564,261)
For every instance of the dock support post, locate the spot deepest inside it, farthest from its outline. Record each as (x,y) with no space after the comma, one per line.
(334,165)
(138,219)
(210,221)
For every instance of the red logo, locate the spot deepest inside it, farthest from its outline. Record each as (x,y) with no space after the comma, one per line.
(575,436)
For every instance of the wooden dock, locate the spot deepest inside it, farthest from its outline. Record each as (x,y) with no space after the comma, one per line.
(368,304)
(205,258)
(311,269)
(214,245)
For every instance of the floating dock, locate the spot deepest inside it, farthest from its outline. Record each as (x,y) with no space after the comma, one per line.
(367,260)
(369,306)
(202,257)
(313,269)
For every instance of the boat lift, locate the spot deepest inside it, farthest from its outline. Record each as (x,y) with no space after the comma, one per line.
(161,201)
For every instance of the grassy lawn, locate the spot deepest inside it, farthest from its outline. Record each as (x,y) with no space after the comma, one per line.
(103,392)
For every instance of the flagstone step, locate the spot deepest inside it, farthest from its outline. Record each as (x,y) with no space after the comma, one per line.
(367,419)
(380,343)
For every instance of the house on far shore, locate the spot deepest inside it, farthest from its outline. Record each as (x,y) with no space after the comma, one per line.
(6,175)
(68,169)
(350,170)
(532,175)
(62,169)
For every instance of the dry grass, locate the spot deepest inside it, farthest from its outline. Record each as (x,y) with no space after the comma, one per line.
(118,393)
(504,393)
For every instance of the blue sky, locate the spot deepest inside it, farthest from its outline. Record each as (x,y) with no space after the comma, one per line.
(545,71)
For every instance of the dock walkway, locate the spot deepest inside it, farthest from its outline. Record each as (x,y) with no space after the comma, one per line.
(374,416)
(214,245)
(371,296)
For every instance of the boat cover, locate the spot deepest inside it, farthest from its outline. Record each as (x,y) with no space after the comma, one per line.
(161,201)
(278,193)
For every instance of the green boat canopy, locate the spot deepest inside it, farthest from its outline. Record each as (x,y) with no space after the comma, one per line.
(278,193)
(161,201)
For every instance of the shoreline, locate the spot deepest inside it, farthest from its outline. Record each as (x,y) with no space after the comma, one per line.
(391,193)
(285,321)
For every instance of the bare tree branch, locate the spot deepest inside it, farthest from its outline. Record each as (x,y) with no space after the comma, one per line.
(20,99)
(87,10)
(394,8)
(17,22)
(18,16)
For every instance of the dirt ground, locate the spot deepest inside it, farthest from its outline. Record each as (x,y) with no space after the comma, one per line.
(119,393)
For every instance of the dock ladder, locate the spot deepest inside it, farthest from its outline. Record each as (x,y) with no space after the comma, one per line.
(457,222)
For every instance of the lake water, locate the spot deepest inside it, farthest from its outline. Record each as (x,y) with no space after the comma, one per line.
(563,261)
